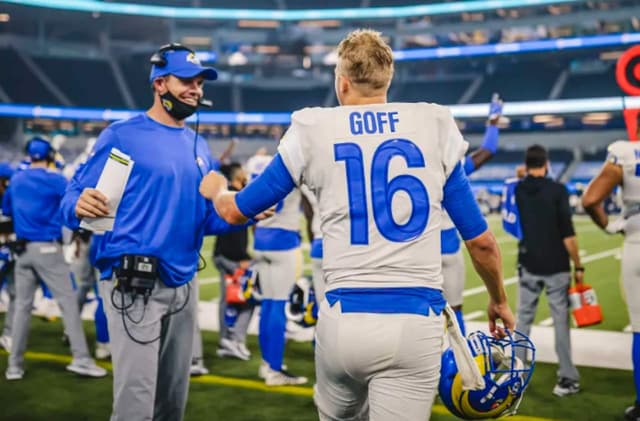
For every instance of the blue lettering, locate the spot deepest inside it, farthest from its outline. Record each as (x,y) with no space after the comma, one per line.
(393,119)
(355,121)
(381,119)
(370,122)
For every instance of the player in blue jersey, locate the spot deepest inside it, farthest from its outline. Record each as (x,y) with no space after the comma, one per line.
(33,201)
(453,268)
(382,173)
(151,254)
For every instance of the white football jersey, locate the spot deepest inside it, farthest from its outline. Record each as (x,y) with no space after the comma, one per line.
(287,214)
(256,164)
(627,155)
(378,172)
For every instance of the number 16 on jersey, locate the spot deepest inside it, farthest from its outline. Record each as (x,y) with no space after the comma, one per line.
(383,190)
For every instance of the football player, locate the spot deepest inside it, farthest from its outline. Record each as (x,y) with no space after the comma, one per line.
(276,242)
(380,332)
(453,269)
(622,169)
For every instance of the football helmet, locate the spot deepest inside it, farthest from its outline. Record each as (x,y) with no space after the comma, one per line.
(302,308)
(506,376)
(243,287)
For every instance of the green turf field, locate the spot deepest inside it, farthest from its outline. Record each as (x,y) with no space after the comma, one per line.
(233,391)
(603,273)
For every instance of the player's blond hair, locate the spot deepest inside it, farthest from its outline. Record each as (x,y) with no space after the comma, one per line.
(366,60)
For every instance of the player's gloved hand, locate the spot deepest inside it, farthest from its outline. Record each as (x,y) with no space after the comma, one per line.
(92,204)
(615,227)
(212,184)
(495,109)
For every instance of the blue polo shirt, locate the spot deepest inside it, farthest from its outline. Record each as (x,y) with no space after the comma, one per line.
(33,201)
(161,213)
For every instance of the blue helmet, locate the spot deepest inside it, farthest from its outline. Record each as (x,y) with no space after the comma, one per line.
(302,307)
(505,375)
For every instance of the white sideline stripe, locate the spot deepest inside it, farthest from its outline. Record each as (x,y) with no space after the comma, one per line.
(473,315)
(546,322)
(514,279)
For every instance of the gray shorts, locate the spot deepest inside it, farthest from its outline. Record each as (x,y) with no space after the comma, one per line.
(376,366)
(278,272)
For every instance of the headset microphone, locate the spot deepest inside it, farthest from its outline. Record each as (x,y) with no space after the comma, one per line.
(205,102)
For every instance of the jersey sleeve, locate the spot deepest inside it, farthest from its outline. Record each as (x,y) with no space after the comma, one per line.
(619,153)
(293,151)
(454,147)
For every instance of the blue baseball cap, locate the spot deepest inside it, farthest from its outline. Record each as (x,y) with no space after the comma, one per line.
(38,148)
(184,64)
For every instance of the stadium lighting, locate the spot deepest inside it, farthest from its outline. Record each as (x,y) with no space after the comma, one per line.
(517,47)
(285,15)
(511,109)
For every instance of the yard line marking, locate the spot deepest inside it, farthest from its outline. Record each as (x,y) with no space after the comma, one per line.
(546,322)
(241,383)
(207,281)
(514,279)
(473,315)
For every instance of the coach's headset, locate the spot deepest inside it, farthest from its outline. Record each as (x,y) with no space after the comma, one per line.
(159,60)
(39,148)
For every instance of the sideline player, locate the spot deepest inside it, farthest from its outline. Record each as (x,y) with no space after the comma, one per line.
(276,242)
(381,173)
(453,268)
(622,168)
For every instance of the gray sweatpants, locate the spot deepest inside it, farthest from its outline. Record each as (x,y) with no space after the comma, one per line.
(84,273)
(531,287)
(44,261)
(150,381)
(237,332)
(196,351)
(11,306)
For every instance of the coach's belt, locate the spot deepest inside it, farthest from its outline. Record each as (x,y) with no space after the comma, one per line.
(412,300)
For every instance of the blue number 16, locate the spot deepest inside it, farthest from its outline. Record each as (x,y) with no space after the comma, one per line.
(383,190)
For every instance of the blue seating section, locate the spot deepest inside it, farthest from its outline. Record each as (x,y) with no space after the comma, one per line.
(281,100)
(20,84)
(89,83)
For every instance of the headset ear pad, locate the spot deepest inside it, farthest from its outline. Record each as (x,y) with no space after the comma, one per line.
(157,59)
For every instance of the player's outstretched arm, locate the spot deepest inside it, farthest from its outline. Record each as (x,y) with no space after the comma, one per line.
(489,146)
(215,188)
(598,190)
(255,200)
